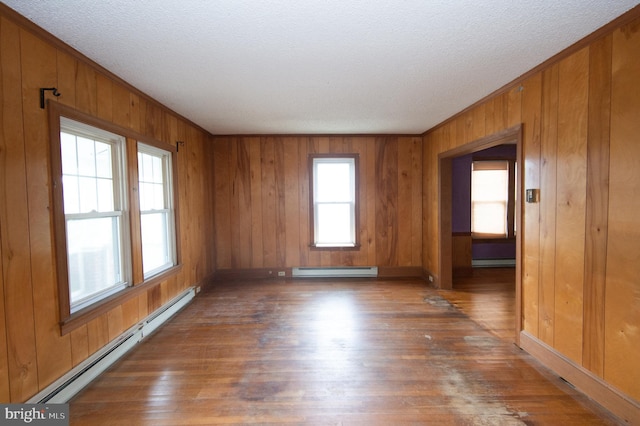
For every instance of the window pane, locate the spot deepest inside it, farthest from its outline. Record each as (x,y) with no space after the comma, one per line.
(334,224)
(155,247)
(88,195)
(333,182)
(86,157)
(104,166)
(71,194)
(93,255)
(69,154)
(489,218)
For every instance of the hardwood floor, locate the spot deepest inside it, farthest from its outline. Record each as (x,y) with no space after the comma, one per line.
(328,352)
(488,298)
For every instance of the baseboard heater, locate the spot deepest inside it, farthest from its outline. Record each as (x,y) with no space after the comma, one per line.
(63,389)
(493,263)
(335,272)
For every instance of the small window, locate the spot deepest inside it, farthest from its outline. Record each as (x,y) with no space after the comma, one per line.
(334,199)
(156,209)
(94,182)
(493,199)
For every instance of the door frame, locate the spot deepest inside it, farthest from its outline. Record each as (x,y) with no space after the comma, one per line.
(512,135)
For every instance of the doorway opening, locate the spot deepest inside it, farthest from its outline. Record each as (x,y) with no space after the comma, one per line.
(447,256)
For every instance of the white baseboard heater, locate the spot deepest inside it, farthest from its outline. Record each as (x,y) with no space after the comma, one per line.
(493,263)
(335,272)
(63,389)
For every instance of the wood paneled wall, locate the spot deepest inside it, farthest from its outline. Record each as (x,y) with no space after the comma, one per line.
(581,242)
(32,351)
(262,201)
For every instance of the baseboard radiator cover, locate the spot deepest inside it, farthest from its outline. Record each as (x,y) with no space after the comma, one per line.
(63,389)
(335,272)
(493,263)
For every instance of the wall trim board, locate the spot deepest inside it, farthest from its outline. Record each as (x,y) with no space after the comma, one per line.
(582,379)
(30,26)
(603,31)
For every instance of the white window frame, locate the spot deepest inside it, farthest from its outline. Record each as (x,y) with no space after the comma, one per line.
(168,210)
(351,241)
(121,235)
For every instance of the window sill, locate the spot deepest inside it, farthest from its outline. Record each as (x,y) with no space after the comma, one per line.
(314,247)
(82,317)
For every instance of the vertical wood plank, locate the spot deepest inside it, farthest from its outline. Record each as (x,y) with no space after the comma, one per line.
(597,204)
(86,92)
(573,100)
(255,156)
(223,200)
(280,193)
(53,350)
(531,109)
(548,181)
(67,69)
(386,201)
(104,100)
(79,345)
(622,294)
(269,202)
(242,186)
(416,201)
(292,210)
(404,203)
(14,226)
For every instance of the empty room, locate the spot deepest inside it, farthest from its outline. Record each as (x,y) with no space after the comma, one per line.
(334,212)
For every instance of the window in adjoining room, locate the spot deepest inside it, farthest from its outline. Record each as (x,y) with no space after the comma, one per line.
(493,199)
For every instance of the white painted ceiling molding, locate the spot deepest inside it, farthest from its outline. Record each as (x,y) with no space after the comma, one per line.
(319,67)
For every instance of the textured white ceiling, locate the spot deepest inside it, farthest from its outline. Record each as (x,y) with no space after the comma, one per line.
(330,66)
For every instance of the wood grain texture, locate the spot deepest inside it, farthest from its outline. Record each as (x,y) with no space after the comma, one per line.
(622,294)
(571,203)
(262,201)
(531,116)
(329,352)
(596,226)
(14,223)
(548,191)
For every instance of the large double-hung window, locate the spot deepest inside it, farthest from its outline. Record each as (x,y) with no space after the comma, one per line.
(93,178)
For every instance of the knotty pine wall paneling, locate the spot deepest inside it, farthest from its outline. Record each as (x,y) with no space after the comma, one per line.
(33,353)
(262,201)
(580,252)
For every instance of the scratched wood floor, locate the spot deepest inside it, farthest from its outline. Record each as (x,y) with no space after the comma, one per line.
(331,352)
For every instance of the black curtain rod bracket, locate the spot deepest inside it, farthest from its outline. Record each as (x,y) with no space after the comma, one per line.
(54,91)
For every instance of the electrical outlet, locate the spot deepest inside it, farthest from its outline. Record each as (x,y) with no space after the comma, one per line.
(430,278)
(281,273)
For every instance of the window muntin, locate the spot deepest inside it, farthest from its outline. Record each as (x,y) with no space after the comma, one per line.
(94,181)
(156,209)
(334,201)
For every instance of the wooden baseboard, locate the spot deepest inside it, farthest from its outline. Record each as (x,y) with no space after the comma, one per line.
(627,409)
(400,272)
